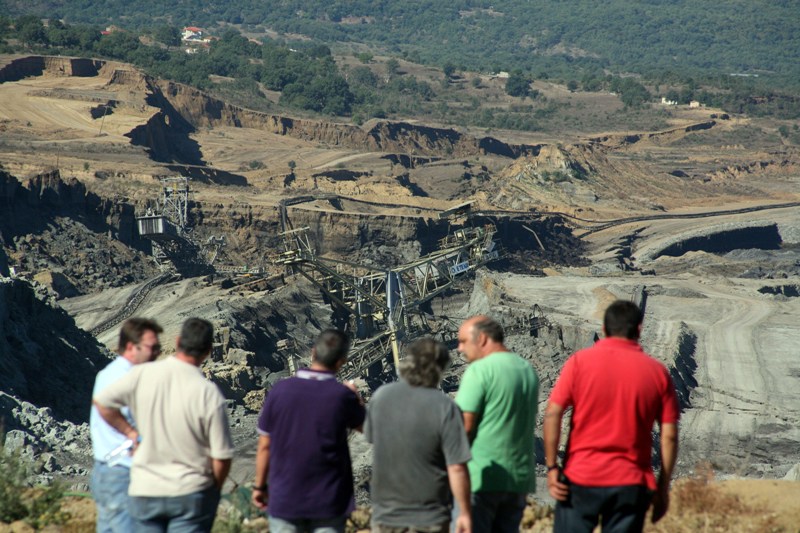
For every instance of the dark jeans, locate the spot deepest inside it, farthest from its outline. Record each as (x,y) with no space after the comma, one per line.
(494,512)
(190,513)
(619,509)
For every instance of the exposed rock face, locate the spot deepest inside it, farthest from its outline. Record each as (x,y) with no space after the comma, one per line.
(44,358)
(54,225)
(51,446)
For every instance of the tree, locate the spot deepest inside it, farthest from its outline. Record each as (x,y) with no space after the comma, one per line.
(392,66)
(572,85)
(518,84)
(31,30)
(449,69)
(169,35)
(292,165)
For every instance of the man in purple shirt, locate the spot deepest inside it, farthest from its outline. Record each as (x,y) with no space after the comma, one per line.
(303,472)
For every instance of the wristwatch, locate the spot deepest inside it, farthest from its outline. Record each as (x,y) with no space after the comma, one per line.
(261,488)
(552,467)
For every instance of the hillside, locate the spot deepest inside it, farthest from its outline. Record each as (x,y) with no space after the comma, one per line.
(692,37)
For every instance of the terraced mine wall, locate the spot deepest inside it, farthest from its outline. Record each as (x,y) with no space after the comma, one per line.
(23,67)
(184,108)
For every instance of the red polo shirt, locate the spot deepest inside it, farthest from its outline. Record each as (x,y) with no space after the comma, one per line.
(617,392)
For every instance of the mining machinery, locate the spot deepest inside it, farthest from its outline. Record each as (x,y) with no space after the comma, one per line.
(384,304)
(166,225)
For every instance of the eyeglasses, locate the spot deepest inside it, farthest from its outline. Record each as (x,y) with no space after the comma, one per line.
(155,349)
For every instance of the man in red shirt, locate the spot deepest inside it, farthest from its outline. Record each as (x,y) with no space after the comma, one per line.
(616,392)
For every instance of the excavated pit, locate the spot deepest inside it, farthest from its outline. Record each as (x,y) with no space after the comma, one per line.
(757,237)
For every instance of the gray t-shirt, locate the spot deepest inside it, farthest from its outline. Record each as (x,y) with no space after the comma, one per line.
(416,433)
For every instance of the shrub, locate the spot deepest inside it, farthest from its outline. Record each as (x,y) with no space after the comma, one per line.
(38,506)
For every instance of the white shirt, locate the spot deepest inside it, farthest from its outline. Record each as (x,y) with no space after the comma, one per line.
(104,437)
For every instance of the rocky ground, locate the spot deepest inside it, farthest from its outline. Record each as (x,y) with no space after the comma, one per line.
(721,291)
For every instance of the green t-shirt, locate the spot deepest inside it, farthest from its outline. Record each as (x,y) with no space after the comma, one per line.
(502,389)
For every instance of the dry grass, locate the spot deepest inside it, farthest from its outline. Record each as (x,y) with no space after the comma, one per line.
(700,505)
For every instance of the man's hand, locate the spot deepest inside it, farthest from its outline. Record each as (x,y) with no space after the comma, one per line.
(350,384)
(260,499)
(558,490)
(660,504)
(463,523)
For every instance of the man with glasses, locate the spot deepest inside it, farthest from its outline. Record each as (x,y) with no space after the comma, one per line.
(138,343)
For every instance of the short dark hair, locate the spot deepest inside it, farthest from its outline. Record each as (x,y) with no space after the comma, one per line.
(490,327)
(133,329)
(424,363)
(197,337)
(622,319)
(330,347)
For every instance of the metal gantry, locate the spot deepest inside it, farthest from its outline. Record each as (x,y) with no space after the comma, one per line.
(166,225)
(384,304)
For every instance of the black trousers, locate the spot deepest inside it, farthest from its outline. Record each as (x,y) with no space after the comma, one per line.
(619,509)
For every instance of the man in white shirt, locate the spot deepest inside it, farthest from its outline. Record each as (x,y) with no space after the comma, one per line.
(138,343)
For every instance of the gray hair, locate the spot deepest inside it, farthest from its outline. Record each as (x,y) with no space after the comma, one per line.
(330,347)
(424,363)
(489,326)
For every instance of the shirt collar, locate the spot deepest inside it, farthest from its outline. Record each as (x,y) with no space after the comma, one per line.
(316,375)
(620,342)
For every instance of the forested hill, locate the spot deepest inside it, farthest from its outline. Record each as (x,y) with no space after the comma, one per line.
(693,37)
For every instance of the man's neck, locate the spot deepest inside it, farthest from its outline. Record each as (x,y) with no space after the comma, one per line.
(494,347)
(621,338)
(319,368)
(184,358)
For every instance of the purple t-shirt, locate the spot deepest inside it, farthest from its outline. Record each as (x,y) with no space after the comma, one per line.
(307,418)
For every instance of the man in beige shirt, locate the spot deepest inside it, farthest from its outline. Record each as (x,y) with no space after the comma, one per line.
(185,447)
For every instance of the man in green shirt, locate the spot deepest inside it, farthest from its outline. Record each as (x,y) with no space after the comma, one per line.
(498,396)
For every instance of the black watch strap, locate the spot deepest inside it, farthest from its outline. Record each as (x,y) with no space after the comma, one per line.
(553,467)
(261,488)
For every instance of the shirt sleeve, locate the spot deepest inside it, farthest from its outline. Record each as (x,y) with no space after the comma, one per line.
(471,396)
(264,419)
(670,411)
(562,390)
(454,439)
(355,412)
(121,392)
(374,405)
(220,443)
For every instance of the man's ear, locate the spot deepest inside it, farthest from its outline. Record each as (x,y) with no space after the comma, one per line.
(313,353)
(483,339)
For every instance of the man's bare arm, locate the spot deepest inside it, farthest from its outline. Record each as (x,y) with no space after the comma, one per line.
(117,420)
(669,455)
(260,497)
(552,435)
(458,476)
(470,424)
(220,469)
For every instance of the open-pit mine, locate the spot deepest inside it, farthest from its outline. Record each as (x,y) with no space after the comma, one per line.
(125,195)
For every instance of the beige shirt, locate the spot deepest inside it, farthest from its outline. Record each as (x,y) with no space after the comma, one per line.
(182,422)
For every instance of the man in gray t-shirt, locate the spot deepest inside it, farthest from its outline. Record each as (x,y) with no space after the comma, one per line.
(420,448)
